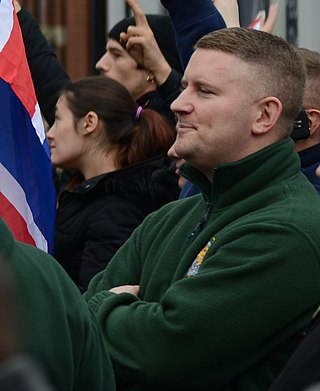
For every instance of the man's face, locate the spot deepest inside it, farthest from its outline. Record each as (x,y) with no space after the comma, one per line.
(117,64)
(214,111)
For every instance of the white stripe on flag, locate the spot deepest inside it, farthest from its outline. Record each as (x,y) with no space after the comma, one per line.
(37,123)
(11,189)
(6,21)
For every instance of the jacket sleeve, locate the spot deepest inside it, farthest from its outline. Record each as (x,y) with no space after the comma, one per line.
(109,228)
(212,327)
(168,92)
(48,74)
(192,19)
(59,331)
(95,371)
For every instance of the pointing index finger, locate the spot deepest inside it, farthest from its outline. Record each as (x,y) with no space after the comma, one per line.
(138,13)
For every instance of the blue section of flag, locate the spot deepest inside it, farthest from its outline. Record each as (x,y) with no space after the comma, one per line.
(23,155)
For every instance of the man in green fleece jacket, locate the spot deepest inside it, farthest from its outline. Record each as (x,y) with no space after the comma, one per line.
(58,331)
(214,292)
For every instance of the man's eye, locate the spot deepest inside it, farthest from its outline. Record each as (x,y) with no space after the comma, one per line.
(205,91)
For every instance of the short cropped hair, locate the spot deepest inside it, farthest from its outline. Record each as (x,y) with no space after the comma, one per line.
(279,70)
(311,61)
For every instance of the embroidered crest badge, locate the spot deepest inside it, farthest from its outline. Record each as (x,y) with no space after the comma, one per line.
(196,264)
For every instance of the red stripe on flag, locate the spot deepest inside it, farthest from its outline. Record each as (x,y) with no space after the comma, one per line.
(14,68)
(14,221)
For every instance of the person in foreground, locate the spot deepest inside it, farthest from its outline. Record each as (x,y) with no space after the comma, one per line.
(52,333)
(214,291)
(18,371)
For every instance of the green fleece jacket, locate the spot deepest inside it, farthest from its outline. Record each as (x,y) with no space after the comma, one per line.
(58,330)
(228,280)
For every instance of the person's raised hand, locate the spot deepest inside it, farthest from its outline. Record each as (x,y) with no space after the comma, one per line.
(142,45)
(229,10)
(268,24)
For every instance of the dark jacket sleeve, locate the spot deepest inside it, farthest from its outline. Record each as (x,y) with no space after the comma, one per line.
(168,92)
(192,19)
(59,331)
(48,74)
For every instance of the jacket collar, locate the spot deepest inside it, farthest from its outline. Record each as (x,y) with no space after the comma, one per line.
(232,182)
(133,174)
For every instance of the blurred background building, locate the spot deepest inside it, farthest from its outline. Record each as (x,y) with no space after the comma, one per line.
(77,28)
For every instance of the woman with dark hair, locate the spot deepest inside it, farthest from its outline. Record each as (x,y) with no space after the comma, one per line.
(119,150)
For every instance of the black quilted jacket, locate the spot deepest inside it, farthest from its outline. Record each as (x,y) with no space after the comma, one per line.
(97,216)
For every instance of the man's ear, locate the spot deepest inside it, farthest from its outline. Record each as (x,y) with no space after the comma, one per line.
(90,122)
(314,119)
(269,110)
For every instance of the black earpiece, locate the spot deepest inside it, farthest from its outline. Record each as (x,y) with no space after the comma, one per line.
(301,129)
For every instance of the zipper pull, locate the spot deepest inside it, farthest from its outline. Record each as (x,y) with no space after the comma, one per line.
(197,229)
